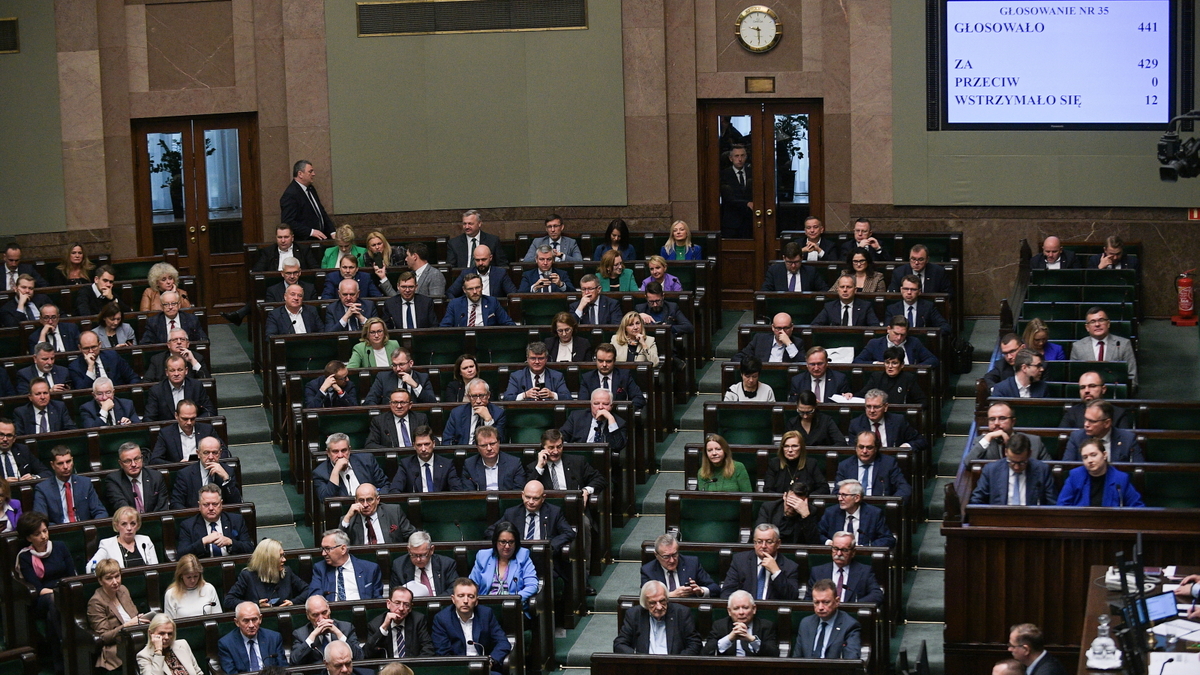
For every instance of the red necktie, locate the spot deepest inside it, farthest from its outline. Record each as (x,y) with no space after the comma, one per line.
(1100,351)
(878,442)
(471,318)
(70,503)
(371,532)
(425,581)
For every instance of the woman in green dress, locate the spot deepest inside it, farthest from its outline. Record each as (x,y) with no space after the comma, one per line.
(718,471)
(613,274)
(344,240)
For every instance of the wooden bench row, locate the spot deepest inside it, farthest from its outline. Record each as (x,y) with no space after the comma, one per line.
(95,449)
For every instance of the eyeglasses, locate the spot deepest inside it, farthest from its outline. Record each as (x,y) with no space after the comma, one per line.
(917,260)
(837,549)
(846,495)
(170,304)
(668,556)
(1000,418)
(1018,462)
(327,549)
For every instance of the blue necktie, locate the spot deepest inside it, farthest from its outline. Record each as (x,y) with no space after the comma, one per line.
(912,318)
(341,587)
(1015,500)
(254,663)
(10,471)
(404,440)
(216,550)
(532,529)
(408,315)
(762,583)
(819,649)
(429,478)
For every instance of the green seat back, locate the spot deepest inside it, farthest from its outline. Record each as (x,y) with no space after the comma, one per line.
(686,275)
(778,379)
(1107,293)
(1056,277)
(1171,418)
(538,311)
(310,354)
(109,443)
(355,426)
(1052,294)
(12,347)
(802,309)
(502,348)
(129,271)
(510,249)
(492,377)
(1111,371)
(832,340)
(442,348)
(1060,390)
(705,520)
(1057,371)
(749,459)
(1048,311)
(526,425)
(1037,415)
(439,519)
(1172,450)
(745,427)
(1171,490)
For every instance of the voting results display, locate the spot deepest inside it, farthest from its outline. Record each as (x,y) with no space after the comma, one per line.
(1057,63)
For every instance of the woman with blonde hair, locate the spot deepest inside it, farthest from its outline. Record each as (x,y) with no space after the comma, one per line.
(1037,339)
(614,275)
(163,653)
(381,253)
(163,277)
(679,245)
(110,609)
(718,470)
(343,239)
(75,268)
(189,594)
(128,548)
(791,464)
(658,272)
(267,581)
(631,340)
(374,348)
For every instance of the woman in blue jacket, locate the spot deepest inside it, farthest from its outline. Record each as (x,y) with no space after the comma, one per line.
(1096,483)
(507,569)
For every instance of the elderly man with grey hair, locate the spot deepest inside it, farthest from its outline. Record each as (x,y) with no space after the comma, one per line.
(864,521)
(461,249)
(683,575)
(341,576)
(544,278)
(251,647)
(313,639)
(763,572)
(341,472)
(741,633)
(421,570)
(105,409)
(657,627)
(464,420)
(892,430)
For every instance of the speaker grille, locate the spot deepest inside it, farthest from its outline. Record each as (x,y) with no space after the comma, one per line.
(10,42)
(421,17)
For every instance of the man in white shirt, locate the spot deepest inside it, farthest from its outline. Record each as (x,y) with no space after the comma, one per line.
(368,521)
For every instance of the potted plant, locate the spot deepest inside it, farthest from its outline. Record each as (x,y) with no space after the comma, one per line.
(171,163)
(790,131)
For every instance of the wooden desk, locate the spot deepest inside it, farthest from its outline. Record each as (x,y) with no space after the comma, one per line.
(643,664)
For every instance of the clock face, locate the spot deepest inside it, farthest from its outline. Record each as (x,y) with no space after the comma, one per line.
(758,29)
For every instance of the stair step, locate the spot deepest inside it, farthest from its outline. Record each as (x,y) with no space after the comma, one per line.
(227,355)
(626,579)
(284,534)
(728,346)
(959,415)
(656,498)
(693,417)
(238,389)
(259,463)
(645,528)
(932,546)
(595,636)
(926,597)
(247,425)
(709,379)
(910,637)
(937,496)
(964,385)
(951,456)
(672,458)
(271,505)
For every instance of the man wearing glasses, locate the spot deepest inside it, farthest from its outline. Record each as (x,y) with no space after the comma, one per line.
(1120,445)
(370,522)
(931,277)
(64,336)
(762,572)
(681,574)
(1016,480)
(853,582)
(1001,420)
(1026,382)
(179,345)
(159,328)
(341,576)
(865,522)
(465,420)
(1100,345)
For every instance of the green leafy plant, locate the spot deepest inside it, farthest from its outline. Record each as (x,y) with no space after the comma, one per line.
(171,162)
(790,131)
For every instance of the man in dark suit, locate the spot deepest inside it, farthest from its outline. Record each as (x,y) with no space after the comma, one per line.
(90,299)
(310,640)
(915,352)
(853,582)
(495,280)
(295,316)
(1120,444)
(1053,257)
(1000,433)
(273,258)
(681,575)
(930,277)
(487,638)
(42,414)
(105,409)
(536,382)
(491,469)
(656,311)
(1028,646)
(544,278)
(737,196)
(334,389)
(741,633)
(396,430)
(892,429)
(557,471)
(399,632)
(163,397)
(301,208)
(341,576)
(24,303)
(617,381)
(637,635)
(214,532)
(350,311)
(822,382)
(44,366)
(177,345)
(1092,387)
(180,442)
(474,308)
(539,521)
(423,571)
(341,472)
(134,485)
(208,471)
(1002,369)
(460,250)
(370,522)
(250,648)
(1114,257)
(63,336)
(425,471)
(846,310)
(827,633)
(597,424)
(792,515)
(864,238)
(290,275)
(6,387)
(775,347)
(1026,381)
(408,309)
(67,498)
(865,521)
(14,268)
(763,573)
(879,474)
(792,275)
(593,308)
(401,376)
(159,327)
(465,420)
(16,461)
(1018,479)
(920,313)
(95,363)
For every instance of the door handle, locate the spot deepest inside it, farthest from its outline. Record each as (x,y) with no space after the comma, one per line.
(758,213)
(192,229)
(204,228)
(769,212)
(193,240)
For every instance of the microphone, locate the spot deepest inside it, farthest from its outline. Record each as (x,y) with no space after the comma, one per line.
(207,607)
(461,535)
(1164,665)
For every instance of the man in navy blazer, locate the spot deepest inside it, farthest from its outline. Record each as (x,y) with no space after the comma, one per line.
(120,412)
(635,636)
(818,377)
(499,285)
(84,371)
(235,648)
(1028,368)
(815,245)
(159,327)
(882,472)
(350,311)
(209,470)
(536,382)
(491,469)
(44,366)
(853,582)
(49,495)
(792,275)
(1053,256)
(619,380)
(897,336)
(161,399)
(597,424)
(869,524)
(594,308)
(774,347)
(42,410)
(348,270)
(300,207)
(214,532)
(16,461)
(333,389)
(63,335)
(688,579)
(459,249)
(395,428)
(294,315)
(920,313)
(485,309)
(401,376)
(14,266)
(894,430)
(23,304)
(341,472)
(762,572)
(465,420)
(408,309)
(168,449)
(425,471)
(1017,471)
(1121,444)
(552,525)
(544,278)
(827,633)
(930,277)
(341,576)
(487,639)
(440,571)
(846,310)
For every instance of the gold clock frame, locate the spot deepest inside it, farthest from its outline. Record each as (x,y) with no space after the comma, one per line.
(737,28)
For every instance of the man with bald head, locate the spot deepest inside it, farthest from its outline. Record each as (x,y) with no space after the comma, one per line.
(179,345)
(1092,387)
(741,633)
(368,521)
(159,327)
(350,311)
(310,641)
(208,471)
(539,521)
(496,282)
(774,347)
(1053,257)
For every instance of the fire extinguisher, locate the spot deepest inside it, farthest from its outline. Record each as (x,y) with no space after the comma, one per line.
(1187,304)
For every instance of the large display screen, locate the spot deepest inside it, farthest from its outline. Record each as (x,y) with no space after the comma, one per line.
(1057,63)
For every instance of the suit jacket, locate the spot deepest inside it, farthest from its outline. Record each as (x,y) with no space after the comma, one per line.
(580,423)
(313,398)
(1048,665)
(493,313)
(881,254)
(871,526)
(6,387)
(302,653)
(366,574)
(743,576)
(431,283)
(115,368)
(682,638)
(383,429)
(58,418)
(520,381)
(1115,349)
(622,385)
(160,405)
(249,587)
(1128,262)
(914,349)
(581,349)
(736,216)
(511,474)
(408,479)
(60,374)
(448,637)
(995,449)
(392,522)
(89,413)
(861,314)
(499,283)
(1073,417)
(442,572)
(668,316)
(23,268)
(458,426)
(12,318)
(689,568)
(1010,389)
(568,246)
(886,477)
(279,321)
(231,649)
(367,288)
(794,529)
(553,524)
(274,293)
(1118,491)
(28,463)
(609,310)
(810,280)
(334,312)
(937,280)
(418,641)
(268,257)
(860,586)
(1067,258)
(366,470)
(576,470)
(68,331)
(118,492)
(392,312)
(925,313)
(760,347)
(168,449)
(993,484)
(297,210)
(87,303)
(157,370)
(531,277)
(843,641)
(759,627)
(185,493)
(1124,447)
(156,329)
(902,389)
(894,426)
(835,382)
(106,623)
(87,503)
(193,530)
(457,255)
(150,664)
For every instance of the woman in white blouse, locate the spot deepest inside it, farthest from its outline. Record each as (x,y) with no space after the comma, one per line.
(128,548)
(631,341)
(189,594)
